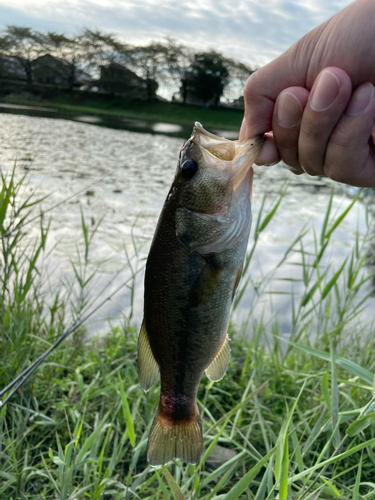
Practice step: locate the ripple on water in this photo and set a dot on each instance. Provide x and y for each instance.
(132, 173)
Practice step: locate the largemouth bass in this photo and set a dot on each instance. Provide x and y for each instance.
(193, 269)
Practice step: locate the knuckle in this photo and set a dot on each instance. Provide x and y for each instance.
(339, 154)
(314, 131)
(294, 168)
(340, 140)
(287, 144)
(309, 170)
(332, 171)
(253, 85)
(309, 166)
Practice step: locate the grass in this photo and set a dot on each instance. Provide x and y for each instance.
(171, 112)
(298, 413)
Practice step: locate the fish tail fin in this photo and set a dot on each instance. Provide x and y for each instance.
(175, 439)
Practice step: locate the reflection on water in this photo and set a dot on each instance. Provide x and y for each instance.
(24, 107)
(166, 128)
(133, 172)
(88, 119)
(112, 121)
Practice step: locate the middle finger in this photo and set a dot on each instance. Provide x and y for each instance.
(327, 102)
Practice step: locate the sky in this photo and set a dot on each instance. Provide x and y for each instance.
(253, 31)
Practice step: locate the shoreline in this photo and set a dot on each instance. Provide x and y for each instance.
(152, 112)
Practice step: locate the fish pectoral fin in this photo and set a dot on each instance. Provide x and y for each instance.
(147, 366)
(216, 370)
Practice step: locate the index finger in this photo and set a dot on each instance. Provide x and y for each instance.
(263, 87)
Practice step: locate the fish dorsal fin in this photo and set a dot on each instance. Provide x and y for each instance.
(147, 366)
(219, 365)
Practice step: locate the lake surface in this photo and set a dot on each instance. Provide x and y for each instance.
(124, 177)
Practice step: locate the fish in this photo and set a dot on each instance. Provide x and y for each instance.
(193, 268)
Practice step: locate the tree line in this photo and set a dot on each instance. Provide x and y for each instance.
(201, 76)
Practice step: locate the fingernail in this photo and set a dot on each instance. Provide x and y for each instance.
(243, 130)
(360, 99)
(325, 91)
(294, 170)
(289, 110)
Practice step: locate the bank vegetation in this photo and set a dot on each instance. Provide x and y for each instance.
(294, 417)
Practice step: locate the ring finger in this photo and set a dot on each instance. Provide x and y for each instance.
(327, 101)
(286, 125)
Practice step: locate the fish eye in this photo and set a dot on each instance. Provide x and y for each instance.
(189, 168)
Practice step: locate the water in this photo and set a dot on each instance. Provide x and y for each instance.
(132, 172)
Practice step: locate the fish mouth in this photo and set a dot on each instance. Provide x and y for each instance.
(235, 157)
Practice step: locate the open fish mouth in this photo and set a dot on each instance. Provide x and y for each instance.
(233, 156)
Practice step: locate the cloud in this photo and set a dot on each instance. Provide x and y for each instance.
(250, 30)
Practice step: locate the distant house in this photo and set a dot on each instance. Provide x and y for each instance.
(51, 70)
(117, 79)
(11, 68)
(84, 80)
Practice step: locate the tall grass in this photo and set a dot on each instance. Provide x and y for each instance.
(297, 412)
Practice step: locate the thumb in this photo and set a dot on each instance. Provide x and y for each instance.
(262, 88)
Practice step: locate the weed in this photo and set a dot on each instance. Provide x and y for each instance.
(297, 412)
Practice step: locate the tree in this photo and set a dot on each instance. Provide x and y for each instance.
(67, 49)
(24, 45)
(117, 79)
(179, 59)
(207, 77)
(101, 49)
(150, 63)
(239, 72)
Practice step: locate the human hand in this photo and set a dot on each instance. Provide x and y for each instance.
(306, 98)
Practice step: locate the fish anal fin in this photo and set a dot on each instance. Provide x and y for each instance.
(147, 366)
(175, 439)
(216, 370)
(238, 279)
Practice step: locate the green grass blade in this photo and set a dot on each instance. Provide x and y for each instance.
(162, 486)
(332, 281)
(89, 442)
(341, 217)
(326, 219)
(177, 493)
(360, 424)
(334, 401)
(271, 213)
(283, 492)
(127, 413)
(352, 367)
(325, 391)
(243, 483)
(358, 480)
(296, 448)
(332, 460)
(283, 436)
